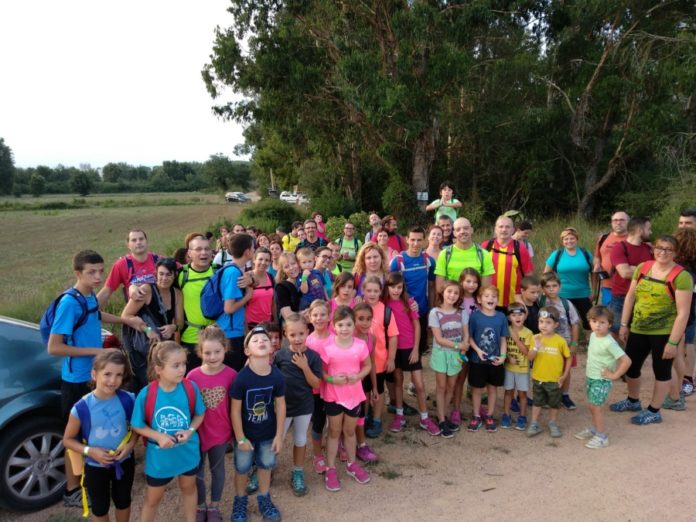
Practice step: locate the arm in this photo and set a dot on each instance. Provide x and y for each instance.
(574, 336)
(365, 369)
(300, 360)
(184, 435)
(179, 311)
(503, 352)
(134, 322)
(567, 361)
(454, 203)
(232, 305)
(627, 310)
(280, 424)
(622, 367)
(478, 350)
(413, 357)
(531, 354)
(236, 415)
(547, 268)
(434, 205)
(682, 299)
(103, 296)
(163, 440)
(70, 441)
(437, 335)
(439, 283)
(391, 352)
(57, 346)
(304, 284)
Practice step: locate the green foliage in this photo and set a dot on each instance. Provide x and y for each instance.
(222, 173)
(37, 184)
(399, 200)
(82, 183)
(7, 168)
(268, 214)
(334, 225)
(333, 204)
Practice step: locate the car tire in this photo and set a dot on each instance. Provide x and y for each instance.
(32, 464)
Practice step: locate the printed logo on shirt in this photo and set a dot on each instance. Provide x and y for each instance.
(212, 397)
(170, 420)
(257, 402)
(109, 426)
(487, 340)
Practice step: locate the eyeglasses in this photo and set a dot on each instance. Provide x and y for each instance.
(547, 315)
(663, 250)
(348, 228)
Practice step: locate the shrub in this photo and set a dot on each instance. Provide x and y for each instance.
(273, 213)
(333, 204)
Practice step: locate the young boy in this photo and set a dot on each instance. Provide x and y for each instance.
(551, 358)
(258, 417)
(517, 366)
(273, 331)
(606, 362)
(79, 343)
(301, 368)
(310, 282)
(568, 327)
(530, 292)
(488, 332)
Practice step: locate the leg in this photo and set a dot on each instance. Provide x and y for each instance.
(536, 410)
(476, 394)
(492, 390)
(398, 386)
(507, 401)
(449, 391)
(417, 379)
(264, 480)
(187, 487)
(597, 418)
(200, 480)
(523, 403)
(335, 428)
(440, 388)
(318, 423)
(121, 490)
(459, 389)
(153, 497)
(553, 414)
(216, 458)
(349, 436)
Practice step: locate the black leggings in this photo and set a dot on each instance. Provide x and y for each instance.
(318, 417)
(582, 305)
(639, 346)
(102, 487)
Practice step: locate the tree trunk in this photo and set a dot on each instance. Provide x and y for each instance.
(423, 159)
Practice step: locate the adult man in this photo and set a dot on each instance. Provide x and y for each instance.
(687, 218)
(445, 223)
(349, 246)
(291, 240)
(602, 253)
(312, 239)
(625, 257)
(510, 259)
(396, 242)
(464, 253)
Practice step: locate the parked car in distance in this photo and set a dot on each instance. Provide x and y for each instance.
(288, 197)
(236, 197)
(273, 193)
(302, 198)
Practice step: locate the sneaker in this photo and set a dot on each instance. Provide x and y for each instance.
(267, 508)
(331, 481)
(73, 499)
(356, 471)
(687, 387)
(253, 484)
(213, 514)
(474, 424)
(429, 426)
(646, 417)
(671, 404)
(445, 431)
(514, 406)
(505, 421)
(534, 429)
(239, 509)
(319, 463)
(456, 418)
(568, 402)
(491, 425)
(375, 430)
(585, 434)
(397, 423)
(554, 430)
(452, 426)
(625, 405)
(342, 453)
(521, 424)
(597, 442)
(365, 454)
(201, 514)
(299, 488)
(530, 401)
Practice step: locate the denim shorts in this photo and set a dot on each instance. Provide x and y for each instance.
(262, 455)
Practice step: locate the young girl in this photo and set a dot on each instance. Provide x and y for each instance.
(343, 294)
(346, 361)
(173, 446)
(407, 353)
(449, 325)
(98, 428)
(363, 324)
(214, 379)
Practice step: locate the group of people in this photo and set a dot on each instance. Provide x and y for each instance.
(315, 333)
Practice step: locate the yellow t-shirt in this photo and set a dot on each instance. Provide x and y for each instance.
(521, 362)
(290, 242)
(191, 291)
(548, 363)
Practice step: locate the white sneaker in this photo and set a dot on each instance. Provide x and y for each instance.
(597, 442)
(585, 434)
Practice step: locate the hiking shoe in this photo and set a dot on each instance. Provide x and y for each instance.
(456, 418)
(397, 423)
(331, 481)
(625, 405)
(505, 421)
(491, 425)
(533, 429)
(474, 424)
(342, 453)
(375, 430)
(299, 488)
(568, 402)
(671, 404)
(514, 406)
(213, 514)
(319, 463)
(646, 417)
(267, 508)
(445, 431)
(73, 499)
(687, 387)
(521, 424)
(597, 442)
(365, 454)
(429, 426)
(554, 430)
(585, 434)
(253, 484)
(239, 509)
(201, 514)
(452, 426)
(356, 471)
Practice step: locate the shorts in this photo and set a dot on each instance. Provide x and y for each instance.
(639, 346)
(401, 361)
(481, 374)
(445, 361)
(333, 409)
(155, 482)
(367, 383)
(546, 394)
(597, 390)
(70, 393)
(617, 305)
(102, 487)
(516, 381)
(689, 333)
(582, 305)
(262, 455)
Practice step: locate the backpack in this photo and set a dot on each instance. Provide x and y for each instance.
(185, 277)
(515, 247)
(386, 321)
(566, 306)
(356, 243)
(448, 256)
(49, 314)
(402, 267)
(669, 282)
(131, 271)
(601, 240)
(151, 400)
(212, 303)
(559, 253)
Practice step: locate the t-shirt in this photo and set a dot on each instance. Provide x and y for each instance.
(315, 288)
(350, 247)
(260, 307)
(654, 311)
(418, 271)
(459, 259)
(521, 364)
(574, 272)
(508, 271)
(564, 328)
(450, 323)
(222, 258)
(445, 211)
(404, 322)
(68, 311)
(257, 393)
(306, 243)
(549, 360)
(290, 242)
(347, 361)
(217, 425)
(633, 256)
(604, 255)
(377, 329)
(396, 242)
(602, 352)
(232, 325)
(171, 415)
(286, 294)
(142, 272)
(314, 342)
(191, 290)
(487, 331)
(469, 304)
(298, 393)
(532, 319)
(109, 424)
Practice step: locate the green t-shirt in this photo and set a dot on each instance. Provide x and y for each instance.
(191, 291)
(351, 247)
(445, 211)
(459, 259)
(602, 352)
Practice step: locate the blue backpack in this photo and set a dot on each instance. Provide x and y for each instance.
(86, 419)
(49, 314)
(212, 303)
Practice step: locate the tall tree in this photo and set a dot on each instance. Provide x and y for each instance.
(82, 182)
(7, 168)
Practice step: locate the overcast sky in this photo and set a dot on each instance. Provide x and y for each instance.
(96, 81)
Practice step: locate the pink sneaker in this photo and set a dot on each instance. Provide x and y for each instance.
(331, 480)
(319, 464)
(365, 454)
(398, 422)
(456, 417)
(360, 475)
(342, 454)
(429, 426)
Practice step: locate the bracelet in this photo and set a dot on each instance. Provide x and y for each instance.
(147, 329)
(243, 440)
(329, 379)
(573, 343)
(672, 343)
(192, 429)
(456, 345)
(304, 279)
(624, 324)
(85, 451)
(503, 354)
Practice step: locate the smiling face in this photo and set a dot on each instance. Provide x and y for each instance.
(344, 329)
(108, 379)
(570, 241)
(262, 261)
(488, 300)
(165, 278)
(291, 268)
(664, 252)
(276, 250)
(382, 238)
(415, 243)
(435, 237)
(450, 295)
(310, 230)
(395, 291)
(363, 321)
(470, 285)
(371, 293)
(463, 231)
(199, 253)
(212, 354)
(446, 225)
(296, 334)
(319, 317)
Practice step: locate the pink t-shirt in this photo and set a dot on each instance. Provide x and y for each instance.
(260, 306)
(142, 272)
(217, 425)
(469, 304)
(345, 361)
(332, 308)
(404, 322)
(317, 344)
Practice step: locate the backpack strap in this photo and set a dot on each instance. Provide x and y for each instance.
(400, 261)
(85, 419)
(150, 400)
(645, 268)
(190, 395)
(557, 259)
(387, 320)
(185, 276)
(127, 402)
(587, 257)
(601, 240)
(448, 257)
(566, 307)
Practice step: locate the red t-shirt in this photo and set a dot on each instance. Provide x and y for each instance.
(396, 242)
(508, 272)
(140, 273)
(604, 255)
(633, 255)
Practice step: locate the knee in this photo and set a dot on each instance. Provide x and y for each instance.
(188, 487)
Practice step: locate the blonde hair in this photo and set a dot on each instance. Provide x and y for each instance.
(282, 259)
(359, 267)
(159, 354)
(211, 332)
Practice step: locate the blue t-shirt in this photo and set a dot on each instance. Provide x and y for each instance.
(232, 325)
(417, 273)
(574, 272)
(171, 415)
(315, 283)
(109, 424)
(486, 331)
(68, 311)
(257, 393)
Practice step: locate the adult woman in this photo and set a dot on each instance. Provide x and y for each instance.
(321, 226)
(262, 240)
(276, 248)
(434, 241)
(657, 307)
(383, 242)
(287, 296)
(573, 264)
(370, 260)
(162, 309)
(260, 306)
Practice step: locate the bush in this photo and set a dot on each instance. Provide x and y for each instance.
(333, 204)
(400, 200)
(334, 226)
(268, 214)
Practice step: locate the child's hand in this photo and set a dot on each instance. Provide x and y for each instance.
(561, 380)
(374, 396)
(390, 366)
(352, 378)
(126, 449)
(277, 444)
(537, 342)
(340, 379)
(414, 306)
(413, 356)
(136, 323)
(497, 360)
(300, 360)
(165, 441)
(306, 272)
(246, 445)
(183, 436)
(607, 374)
(512, 359)
(167, 331)
(101, 455)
